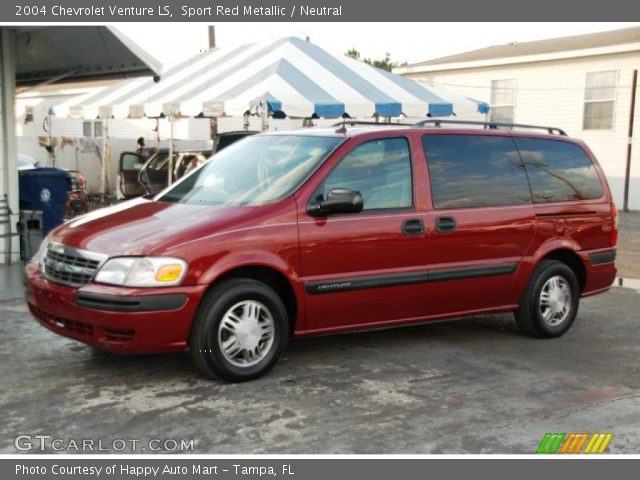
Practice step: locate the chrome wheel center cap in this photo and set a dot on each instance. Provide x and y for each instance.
(248, 334)
(556, 303)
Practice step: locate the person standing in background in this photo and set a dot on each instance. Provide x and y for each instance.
(143, 151)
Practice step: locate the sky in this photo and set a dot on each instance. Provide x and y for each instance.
(171, 43)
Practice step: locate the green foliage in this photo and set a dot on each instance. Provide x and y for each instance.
(384, 64)
(353, 53)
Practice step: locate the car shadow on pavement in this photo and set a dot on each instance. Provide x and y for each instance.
(314, 351)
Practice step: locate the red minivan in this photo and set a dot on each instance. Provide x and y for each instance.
(323, 230)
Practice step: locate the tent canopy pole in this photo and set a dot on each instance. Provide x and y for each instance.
(104, 114)
(171, 136)
(157, 133)
(264, 115)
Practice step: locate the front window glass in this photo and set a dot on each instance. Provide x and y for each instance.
(257, 170)
(380, 170)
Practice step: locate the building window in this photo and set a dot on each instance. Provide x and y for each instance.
(87, 128)
(503, 100)
(28, 115)
(599, 98)
(92, 128)
(97, 129)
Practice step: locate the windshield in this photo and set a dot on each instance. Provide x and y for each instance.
(253, 171)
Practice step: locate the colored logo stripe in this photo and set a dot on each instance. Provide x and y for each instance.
(550, 443)
(598, 443)
(574, 442)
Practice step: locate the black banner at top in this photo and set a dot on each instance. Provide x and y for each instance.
(108, 11)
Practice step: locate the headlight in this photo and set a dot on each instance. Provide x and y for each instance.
(38, 258)
(143, 271)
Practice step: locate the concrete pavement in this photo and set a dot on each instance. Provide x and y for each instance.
(469, 386)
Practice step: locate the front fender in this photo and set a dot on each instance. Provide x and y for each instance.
(235, 260)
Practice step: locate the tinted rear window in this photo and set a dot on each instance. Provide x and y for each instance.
(475, 171)
(558, 171)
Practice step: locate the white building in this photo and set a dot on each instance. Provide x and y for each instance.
(582, 84)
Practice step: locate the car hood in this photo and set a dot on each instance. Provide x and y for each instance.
(145, 227)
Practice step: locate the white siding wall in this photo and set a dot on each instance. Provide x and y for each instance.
(552, 93)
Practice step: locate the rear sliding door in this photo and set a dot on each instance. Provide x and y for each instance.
(481, 224)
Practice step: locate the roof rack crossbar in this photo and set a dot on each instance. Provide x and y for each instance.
(490, 125)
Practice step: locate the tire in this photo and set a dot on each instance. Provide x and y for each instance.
(545, 311)
(240, 331)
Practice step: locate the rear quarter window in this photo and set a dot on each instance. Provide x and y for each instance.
(468, 171)
(558, 171)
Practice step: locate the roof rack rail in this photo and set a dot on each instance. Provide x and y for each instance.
(368, 122)
(352, 123)
(491, 125)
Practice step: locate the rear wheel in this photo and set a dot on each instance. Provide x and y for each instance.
(240, 331)
(550, 304)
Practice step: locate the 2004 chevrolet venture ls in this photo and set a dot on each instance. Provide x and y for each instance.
(324, 230)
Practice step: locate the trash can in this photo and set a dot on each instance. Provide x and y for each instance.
(45, 189)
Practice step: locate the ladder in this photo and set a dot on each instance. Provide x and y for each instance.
(5, 223)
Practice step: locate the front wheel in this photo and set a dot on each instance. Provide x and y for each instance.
(240, 331)
(550, 304)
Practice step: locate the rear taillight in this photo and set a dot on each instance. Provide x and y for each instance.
(614, 225)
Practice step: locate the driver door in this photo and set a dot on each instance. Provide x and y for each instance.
(154, 175)
(366, 268)
(130, 165)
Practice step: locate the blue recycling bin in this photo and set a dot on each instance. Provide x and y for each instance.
(45, 189)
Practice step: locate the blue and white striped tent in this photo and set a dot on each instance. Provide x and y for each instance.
(291, 76)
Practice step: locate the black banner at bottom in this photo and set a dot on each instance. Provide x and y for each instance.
(316, 469)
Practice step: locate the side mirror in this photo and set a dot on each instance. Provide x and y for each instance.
(338, 200)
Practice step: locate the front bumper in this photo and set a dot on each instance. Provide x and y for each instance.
(115, 319)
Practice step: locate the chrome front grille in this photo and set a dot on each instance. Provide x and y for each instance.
(71, 266)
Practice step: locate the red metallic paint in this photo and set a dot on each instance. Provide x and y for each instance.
(283, 237)
(152, 331)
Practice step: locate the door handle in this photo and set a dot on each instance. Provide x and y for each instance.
(446, 224)
(413, 226)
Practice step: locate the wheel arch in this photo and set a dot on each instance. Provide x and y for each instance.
(562, 250)
(271, 276)
(570, 258)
